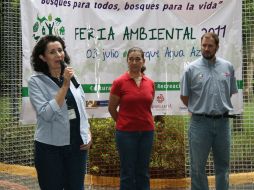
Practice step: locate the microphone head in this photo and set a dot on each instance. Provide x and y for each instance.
(63, 64)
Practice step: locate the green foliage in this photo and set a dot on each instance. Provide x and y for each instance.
(5, 115)
(15, 4)
(103, 157)
(16, 144)
(248, 11)
(242, 140)
(168, 157)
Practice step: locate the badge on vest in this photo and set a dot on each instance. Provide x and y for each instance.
(72, 114)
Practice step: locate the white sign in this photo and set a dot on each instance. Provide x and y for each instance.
(99, 33)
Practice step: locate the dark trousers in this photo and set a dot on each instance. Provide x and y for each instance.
(134, 150)
(60, 167)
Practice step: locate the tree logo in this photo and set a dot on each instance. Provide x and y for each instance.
(47, 25)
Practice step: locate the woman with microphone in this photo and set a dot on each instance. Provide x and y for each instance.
(62, 137)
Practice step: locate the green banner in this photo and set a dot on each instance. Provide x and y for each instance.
(105, 88)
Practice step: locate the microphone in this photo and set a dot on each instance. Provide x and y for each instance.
(73, 80)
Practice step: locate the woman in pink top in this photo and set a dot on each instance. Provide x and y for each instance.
(133, 93)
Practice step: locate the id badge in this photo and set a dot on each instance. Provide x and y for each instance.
(72, 114)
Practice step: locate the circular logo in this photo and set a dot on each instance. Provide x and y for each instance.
(160, 98)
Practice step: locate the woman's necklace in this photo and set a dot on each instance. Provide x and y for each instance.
(59, 78)
(56, 74)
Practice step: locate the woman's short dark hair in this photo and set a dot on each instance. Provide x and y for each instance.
(39, 49)
(143, 68)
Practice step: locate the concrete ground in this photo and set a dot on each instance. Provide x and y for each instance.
(18, 182)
